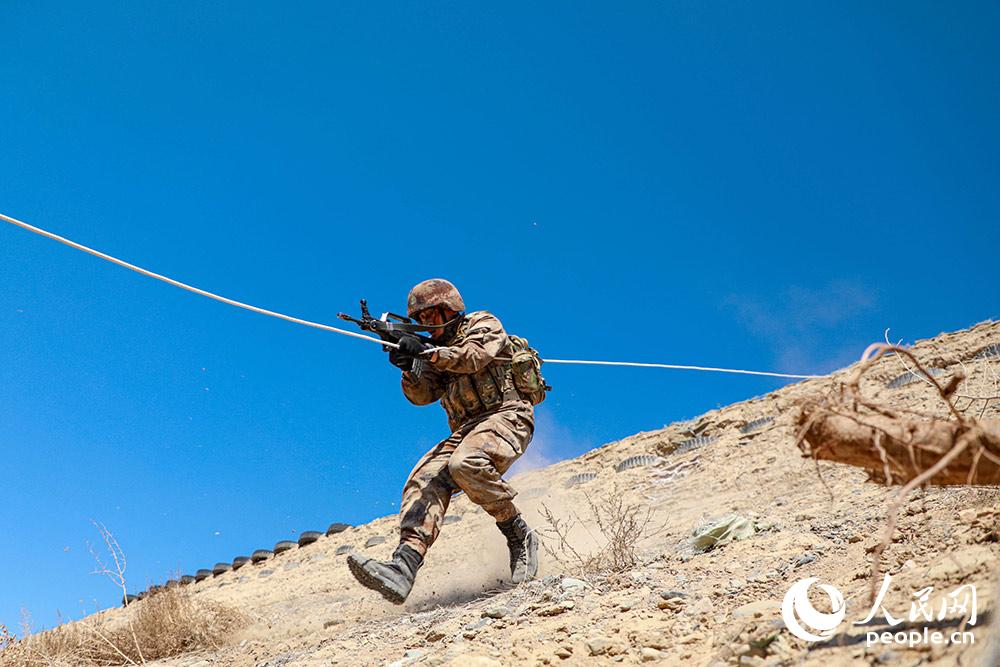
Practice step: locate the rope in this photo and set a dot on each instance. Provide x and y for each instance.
(680, 368)
(189, 288)
(352, 334)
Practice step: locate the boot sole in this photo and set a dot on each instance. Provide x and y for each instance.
(367, 580)
(533, 557)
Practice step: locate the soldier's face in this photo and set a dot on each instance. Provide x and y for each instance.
(433, 317)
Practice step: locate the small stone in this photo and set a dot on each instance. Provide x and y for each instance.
(475, 625)
(332, 622)
(570, 584)
(967, 515)
(413, 653)
(598, 645)
(757, 609)
(649, 654)
(703, 607)
(805, 559)
(556, 609)
(564, 652)
(667, 595)
(434, 635)
(673, 604)
(497, 612)
(854, 538)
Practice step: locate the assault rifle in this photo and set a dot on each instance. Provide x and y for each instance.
(391, 328)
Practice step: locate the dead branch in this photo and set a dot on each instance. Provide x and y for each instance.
(897, 451)
(911, 451)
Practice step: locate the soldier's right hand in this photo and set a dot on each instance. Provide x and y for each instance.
(403, 362)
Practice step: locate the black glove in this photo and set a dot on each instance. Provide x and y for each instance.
(401, 361)
(412, 346)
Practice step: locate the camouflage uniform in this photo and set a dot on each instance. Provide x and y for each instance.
(491, 427)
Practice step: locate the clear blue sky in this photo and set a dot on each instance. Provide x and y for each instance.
(759, 185)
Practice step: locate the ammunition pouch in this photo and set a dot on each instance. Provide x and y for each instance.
(468, 396)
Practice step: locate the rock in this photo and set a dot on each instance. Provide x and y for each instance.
(652, 636)
(854, 538)
(638, 576)
(475, 625)
(497, 612)
(757, 609)
(667, 595)
(967, 515)
(434, 635)
(332, 622)
(647, 654)
(413, 654)
(564, 652)
(805, 559)
(598, 645)
(570, 584)
(702, 607)
(673, 604)
(556, 609)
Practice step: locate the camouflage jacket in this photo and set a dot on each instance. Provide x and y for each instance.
(466, 376)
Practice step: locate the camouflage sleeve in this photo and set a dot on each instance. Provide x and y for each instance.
(422, 390)
(483, 341)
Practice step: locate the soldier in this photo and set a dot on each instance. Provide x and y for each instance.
(468, 369)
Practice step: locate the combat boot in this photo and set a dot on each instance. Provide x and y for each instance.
(392, 579)
(523, 545)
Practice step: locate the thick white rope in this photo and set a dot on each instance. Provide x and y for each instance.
(189, 288)
(680, 368)
(352, 334)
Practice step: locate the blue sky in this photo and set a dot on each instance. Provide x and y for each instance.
(758, 185)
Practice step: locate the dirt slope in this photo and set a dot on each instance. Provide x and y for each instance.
(309, 611)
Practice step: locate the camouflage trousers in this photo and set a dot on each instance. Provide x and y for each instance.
(471, 459)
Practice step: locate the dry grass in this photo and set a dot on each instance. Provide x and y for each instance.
(165, 624)
(616, 526)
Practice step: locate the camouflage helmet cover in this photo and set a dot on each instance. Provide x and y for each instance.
(431, 293)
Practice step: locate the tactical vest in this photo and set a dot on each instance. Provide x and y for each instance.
(470, 395)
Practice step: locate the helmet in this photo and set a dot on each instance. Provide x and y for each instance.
(431, 293)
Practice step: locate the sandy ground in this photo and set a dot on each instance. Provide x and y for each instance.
(725, 603)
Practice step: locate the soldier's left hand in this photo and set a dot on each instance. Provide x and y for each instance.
(413, 347)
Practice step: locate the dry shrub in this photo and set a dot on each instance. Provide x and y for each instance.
(7, 640)
(620, 527)
(165, 624)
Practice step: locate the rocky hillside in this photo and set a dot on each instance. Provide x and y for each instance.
(677, 603)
